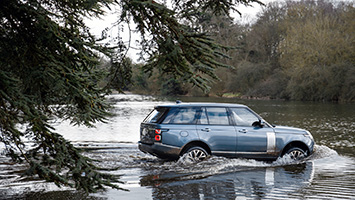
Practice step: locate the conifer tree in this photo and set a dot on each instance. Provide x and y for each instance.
(48, 70)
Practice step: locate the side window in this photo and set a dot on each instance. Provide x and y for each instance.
(218, 116)
(182, 116)
(243, 116)
(203, 117)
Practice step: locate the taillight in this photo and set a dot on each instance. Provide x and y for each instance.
(157, 135)
(158, 138)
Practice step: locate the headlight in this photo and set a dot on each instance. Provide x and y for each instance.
(308, 134)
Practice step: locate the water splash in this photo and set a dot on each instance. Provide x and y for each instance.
(322, 151)
(214, 164)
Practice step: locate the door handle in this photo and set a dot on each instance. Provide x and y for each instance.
(206, 129)
(243, 130)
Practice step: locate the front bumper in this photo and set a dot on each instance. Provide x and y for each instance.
(160, 150)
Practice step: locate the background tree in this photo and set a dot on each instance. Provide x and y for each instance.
(174, 42)
(318, 50)
(259, 72)
(49, 70)
(255, 55)
(230, 34)
(295, 50)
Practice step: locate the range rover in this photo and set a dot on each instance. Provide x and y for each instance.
(198, 130)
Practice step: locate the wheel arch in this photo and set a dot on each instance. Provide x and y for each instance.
(298, 144)
(195, 143)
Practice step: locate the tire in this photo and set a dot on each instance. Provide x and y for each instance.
(195, 154)
(296, 153)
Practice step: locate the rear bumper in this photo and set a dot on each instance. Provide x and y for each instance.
(160, 150)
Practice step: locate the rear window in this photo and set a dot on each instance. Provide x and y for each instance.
(181, 116)
(155, 115)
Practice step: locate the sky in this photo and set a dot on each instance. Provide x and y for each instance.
(97, 25)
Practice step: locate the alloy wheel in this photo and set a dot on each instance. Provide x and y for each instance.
(296, 153)
(196, 154)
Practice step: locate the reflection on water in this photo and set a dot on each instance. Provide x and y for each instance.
(328, 174)
(237, 178)
(248, 182)
(222, 178)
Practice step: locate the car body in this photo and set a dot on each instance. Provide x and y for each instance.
(229, 130)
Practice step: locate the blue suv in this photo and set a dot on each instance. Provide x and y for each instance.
(198, 130)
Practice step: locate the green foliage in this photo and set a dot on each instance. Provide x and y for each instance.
(156, 83)
(173, 41)
(48, 71)
(172, 87)
(120, 74)
(140, 80)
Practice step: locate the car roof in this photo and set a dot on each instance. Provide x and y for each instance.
(203, 104)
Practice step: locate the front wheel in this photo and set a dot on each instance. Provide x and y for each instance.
(296, 153)
(196, 154)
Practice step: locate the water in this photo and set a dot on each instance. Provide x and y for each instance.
(328, 174)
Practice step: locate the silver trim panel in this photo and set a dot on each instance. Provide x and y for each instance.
(271, 142)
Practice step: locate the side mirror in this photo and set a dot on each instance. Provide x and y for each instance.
(258, 124)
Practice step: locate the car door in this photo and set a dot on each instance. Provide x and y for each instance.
(216, 129)
(252, 141)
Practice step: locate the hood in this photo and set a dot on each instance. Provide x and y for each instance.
(286, 129)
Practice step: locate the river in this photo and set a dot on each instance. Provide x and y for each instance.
(328, 174)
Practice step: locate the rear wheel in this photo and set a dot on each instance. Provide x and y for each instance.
(296, 153)
(196, 154)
